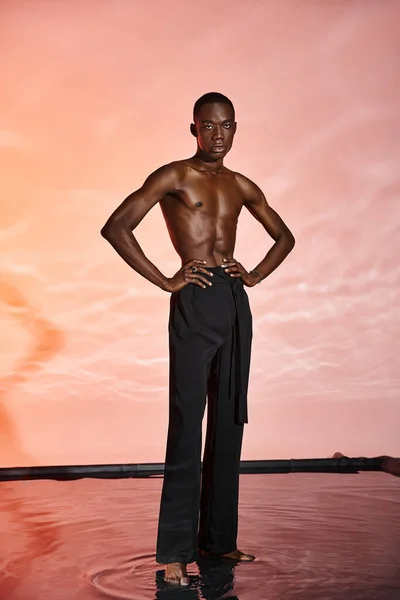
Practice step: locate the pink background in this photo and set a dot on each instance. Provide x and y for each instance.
(95, 95)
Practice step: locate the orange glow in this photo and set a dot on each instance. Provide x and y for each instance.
(95, 98)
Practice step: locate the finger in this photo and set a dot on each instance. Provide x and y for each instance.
(204, 270)
(230, 264)
(199, 280)
(194, 261)
(196, 282)
(228, 261)
(189, 271)
(235, 269)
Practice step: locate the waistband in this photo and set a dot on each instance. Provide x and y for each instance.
(220, 276)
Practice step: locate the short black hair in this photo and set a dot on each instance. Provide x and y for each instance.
(209, 98)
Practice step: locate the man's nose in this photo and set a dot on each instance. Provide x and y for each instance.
(218, 133)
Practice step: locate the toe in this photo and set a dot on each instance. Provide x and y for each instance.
(248, 557)
(177, 580)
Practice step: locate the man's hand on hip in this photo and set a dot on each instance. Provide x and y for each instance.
(236, 269)
(191, 272)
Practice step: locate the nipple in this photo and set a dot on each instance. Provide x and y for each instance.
(198, 204)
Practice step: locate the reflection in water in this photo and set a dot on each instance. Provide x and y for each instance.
(41, 538)
(215, 580)
(316, 537)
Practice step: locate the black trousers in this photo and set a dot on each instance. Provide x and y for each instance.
(210, 332)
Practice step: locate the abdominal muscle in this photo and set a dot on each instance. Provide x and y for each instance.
(204, 233)
(212, 257)
(208, 239)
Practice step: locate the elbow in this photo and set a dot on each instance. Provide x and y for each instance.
(291, 242)
(107, 230)
(114, 232)
(287, 240)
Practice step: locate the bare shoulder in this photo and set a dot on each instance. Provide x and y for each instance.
(250, 190)
(169, 174)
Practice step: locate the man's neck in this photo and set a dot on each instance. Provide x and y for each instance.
(204, 163)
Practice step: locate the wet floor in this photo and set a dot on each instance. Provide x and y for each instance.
(316, 536)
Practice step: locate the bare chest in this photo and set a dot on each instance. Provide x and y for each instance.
(212, 195)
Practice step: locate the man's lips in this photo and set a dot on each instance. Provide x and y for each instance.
(218, 148)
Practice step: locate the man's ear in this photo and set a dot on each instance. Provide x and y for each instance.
(193, 130)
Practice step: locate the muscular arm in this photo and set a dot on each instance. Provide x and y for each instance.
(255, 202)
(118, 228)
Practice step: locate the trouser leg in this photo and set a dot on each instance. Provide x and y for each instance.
(180, 499)
(220, 480)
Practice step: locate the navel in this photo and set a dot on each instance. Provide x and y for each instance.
(199, 204)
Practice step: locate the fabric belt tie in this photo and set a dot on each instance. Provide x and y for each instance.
(242, 335)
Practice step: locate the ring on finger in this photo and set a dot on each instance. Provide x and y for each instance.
(194, 269)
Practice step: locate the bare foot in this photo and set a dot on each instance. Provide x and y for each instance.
(234, 555)
(176, 573)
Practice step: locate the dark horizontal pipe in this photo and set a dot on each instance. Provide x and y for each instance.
(306, 465)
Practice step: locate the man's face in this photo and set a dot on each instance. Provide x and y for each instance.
(215, 128)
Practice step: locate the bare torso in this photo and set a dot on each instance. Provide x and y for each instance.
(201, 203)
(202, 214)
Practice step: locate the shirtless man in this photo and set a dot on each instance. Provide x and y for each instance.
(201, 201)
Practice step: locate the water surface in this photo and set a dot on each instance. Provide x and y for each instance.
(316, 536)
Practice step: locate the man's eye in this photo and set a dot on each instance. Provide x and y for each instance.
(208, 126)
(227, 125)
